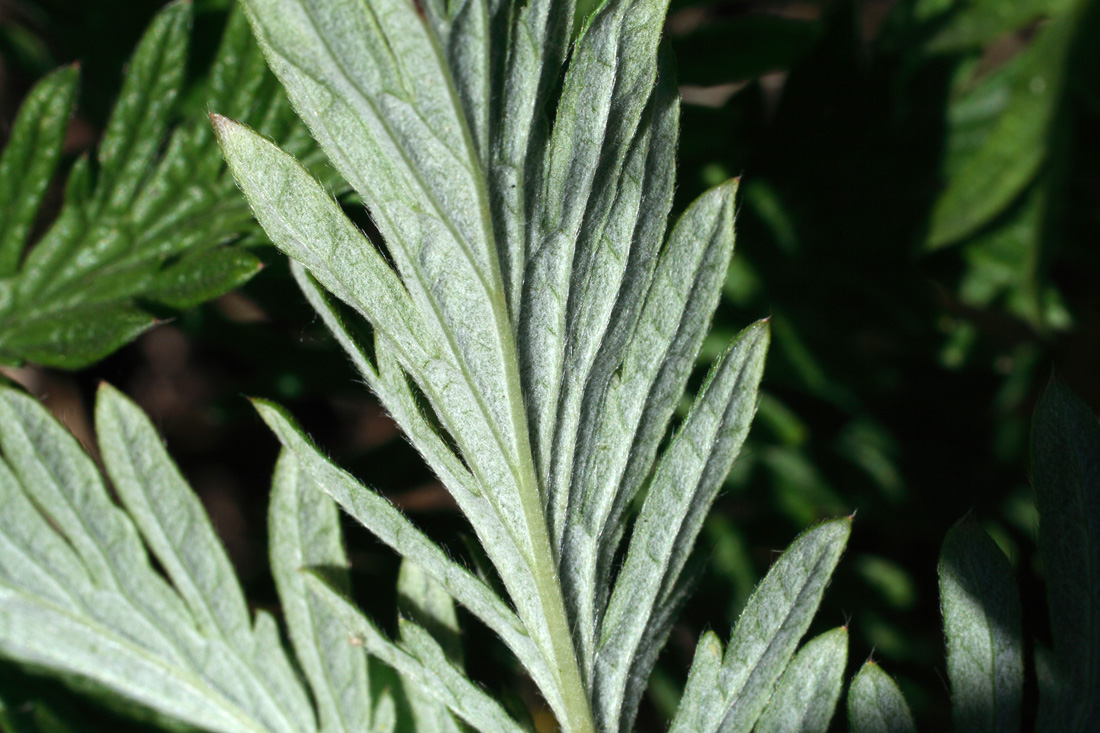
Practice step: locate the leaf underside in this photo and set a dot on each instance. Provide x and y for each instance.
(533, 328)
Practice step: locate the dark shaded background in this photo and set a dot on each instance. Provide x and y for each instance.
(904, 366)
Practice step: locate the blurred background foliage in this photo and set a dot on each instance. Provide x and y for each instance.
(920, 218)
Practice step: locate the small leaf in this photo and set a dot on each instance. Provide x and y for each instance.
(981, 618)
(203, 275)
(634, 392)
(538, 35)
(418, 658)
(766, 635)
(1065, 468)
(610, 78)
(876, 705)
(29, 160)
(381, 518)
(998, 136)
(139, 120)
(805, 697)
(304, 532)
(422, 601)
(681, 492)
(170, 518)
(74, 337)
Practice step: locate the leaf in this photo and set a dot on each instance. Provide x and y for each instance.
(981, 617)
(155, 225)
(80, 599)
(683, 487)
(304, 532)
(608, 83)
(422, 601)
(391, 527)
(170, 518)
(976, 24)
(1065, 468)
(395, 133)
(29, 160)
(632, 394)
(876, 705)
(998, 132)
(729, 693)
(530, 334)
(303, 221)
(417, 657)
(805, 696)
(538, 38)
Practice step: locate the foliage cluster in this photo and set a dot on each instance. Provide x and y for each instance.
(516, 305)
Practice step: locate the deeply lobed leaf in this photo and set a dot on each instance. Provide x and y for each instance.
(79, 596)
(729, 693)
(153, 227)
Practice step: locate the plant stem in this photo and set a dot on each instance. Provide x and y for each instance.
(543, 562)
(578, 712)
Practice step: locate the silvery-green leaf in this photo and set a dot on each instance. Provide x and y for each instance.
(419, 659)
(616, 253)
(385, 521)
(302, 219)
(388, 380)
(386, 113)
(805, 696)
(465, 29)
(624, 421)
(170, 518)
(731, 697)
(981, 619)
(304, 532)
(538, 34)
(876, 705)
(608, 83)
(685, 483)
(1065, 468)
(385, 712)
(422, 601)
(79, 597)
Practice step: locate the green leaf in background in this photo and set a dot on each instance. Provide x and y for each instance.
(29, 160)
(981, 618)
(998, 134)
(1065, 468)
(975, 23)
(876, 705)
(153, 224)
